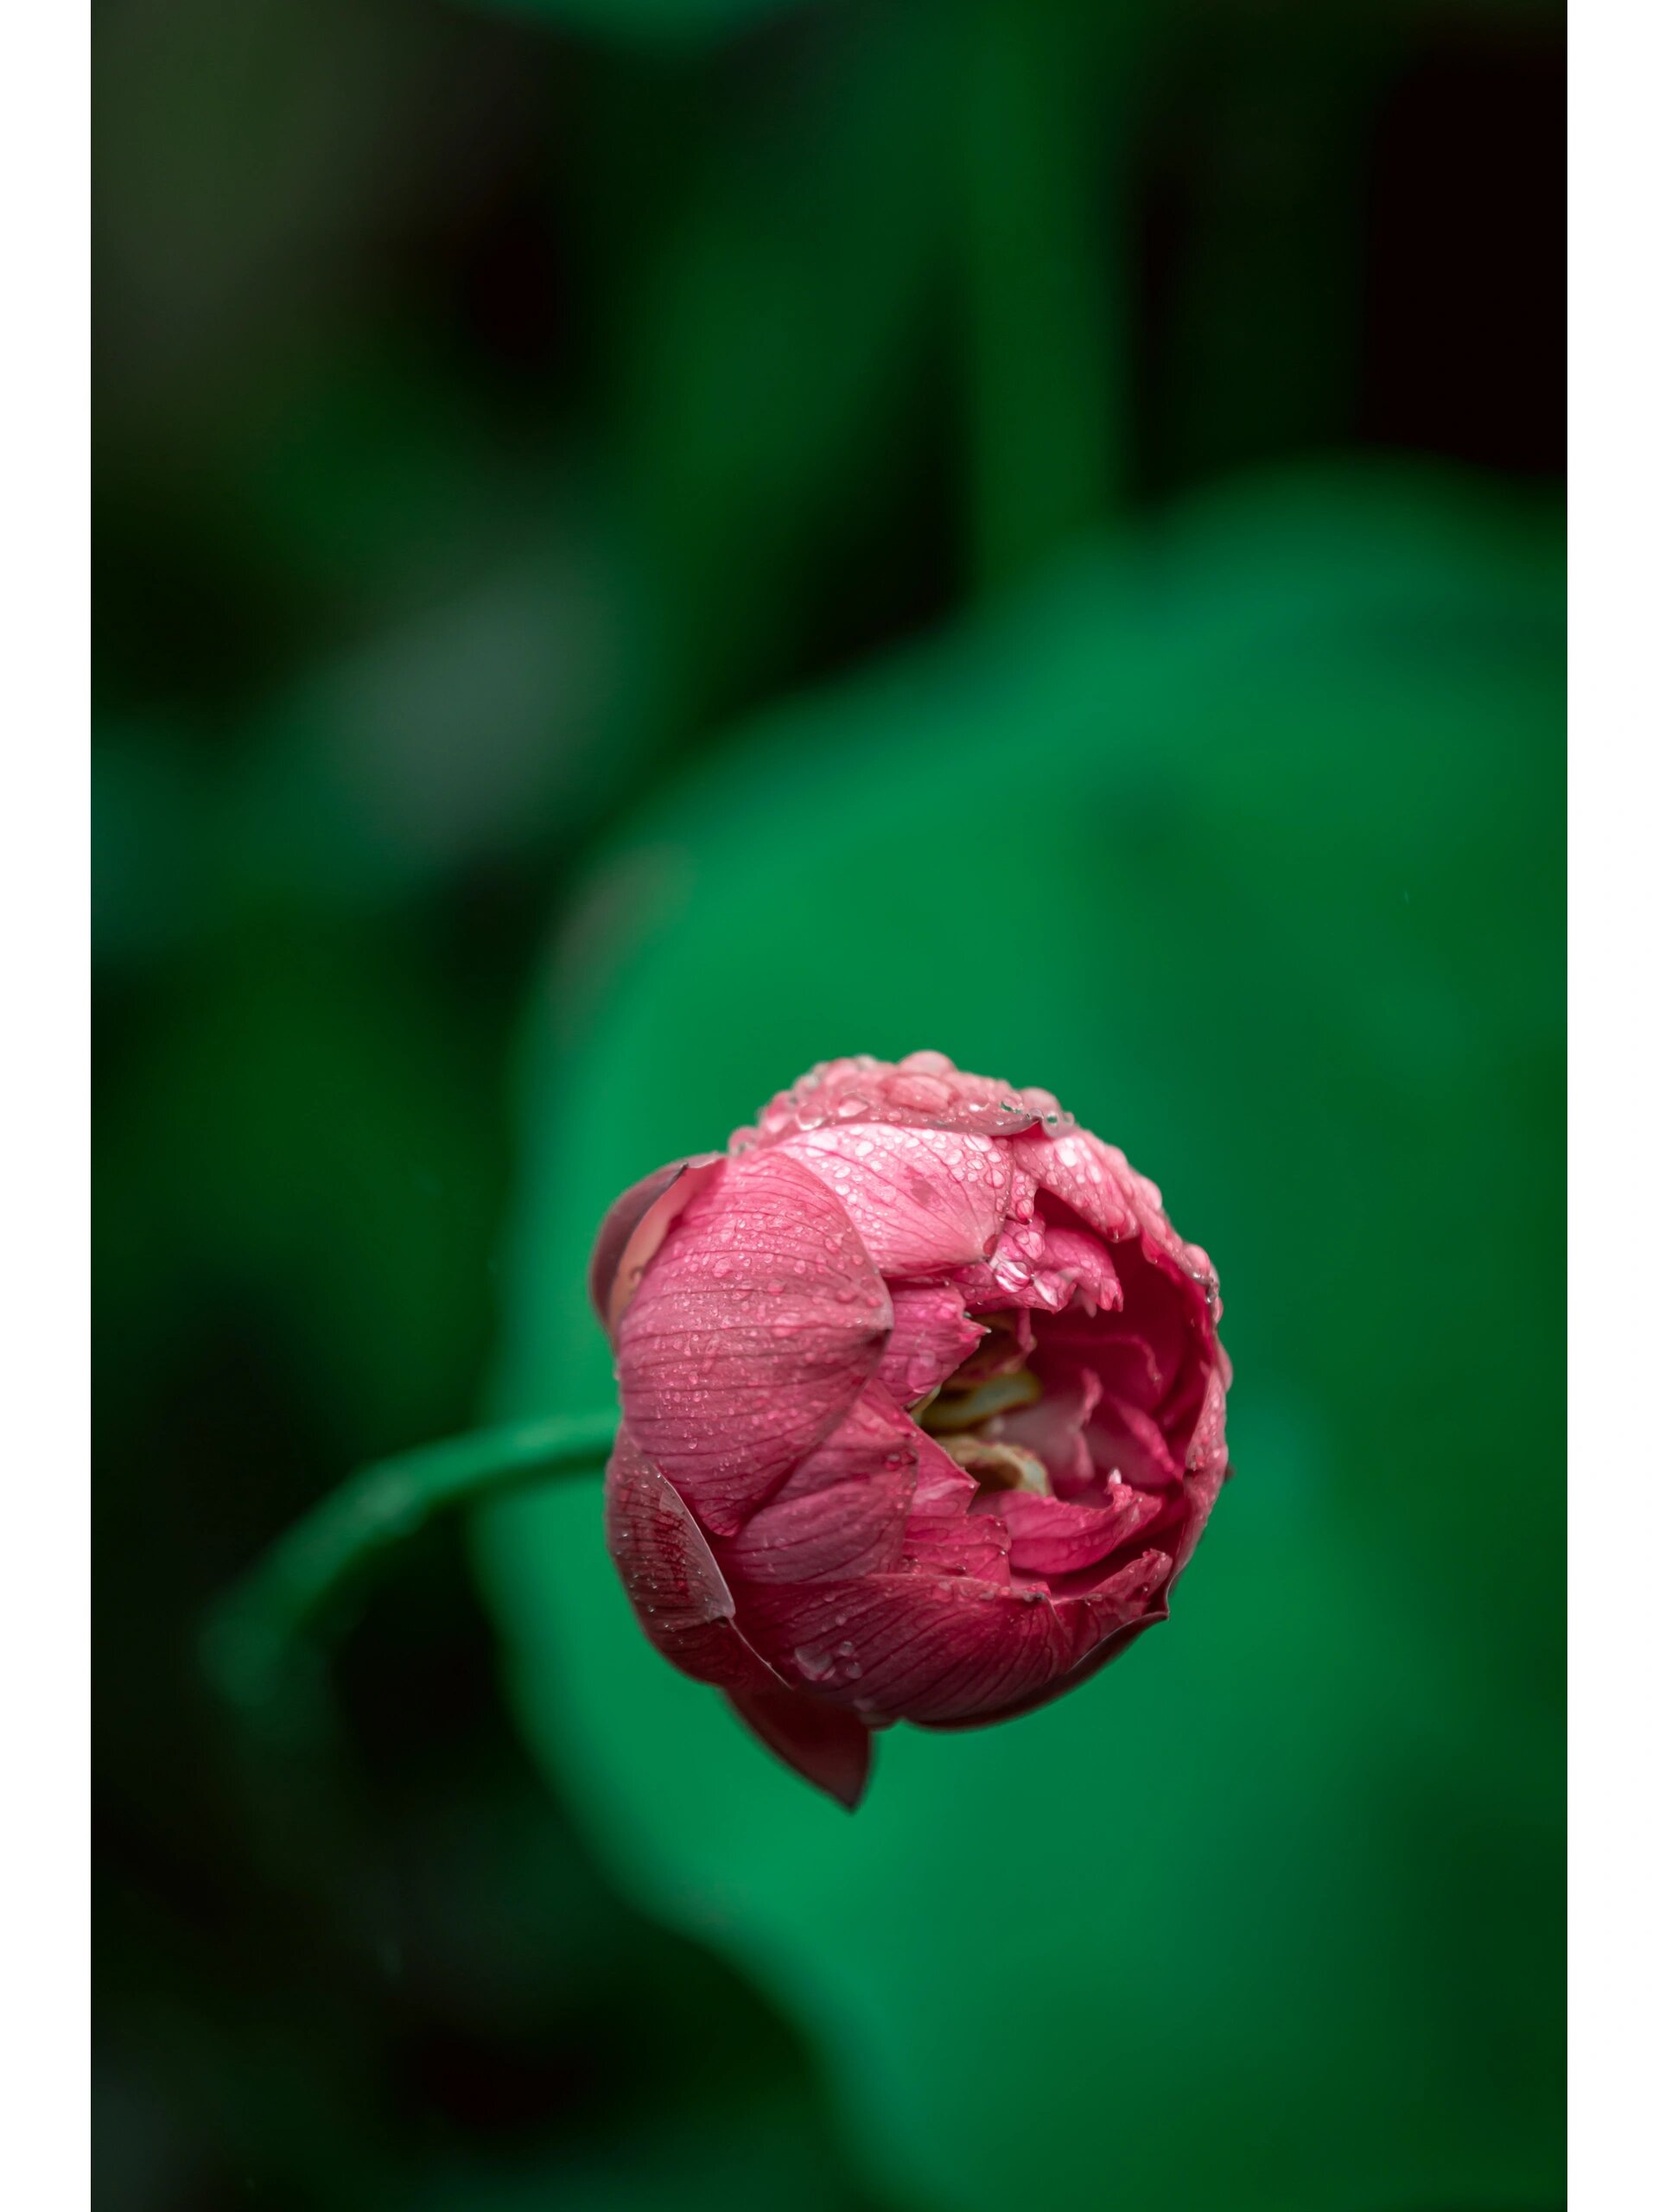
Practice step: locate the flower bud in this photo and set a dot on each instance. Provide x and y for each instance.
(923, 1408)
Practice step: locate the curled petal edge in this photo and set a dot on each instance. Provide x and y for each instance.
(631, 1232)
(825, 1746)
(673, 1581)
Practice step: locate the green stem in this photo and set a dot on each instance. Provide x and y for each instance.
(258, 1630)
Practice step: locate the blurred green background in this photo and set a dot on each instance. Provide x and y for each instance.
(643, 543)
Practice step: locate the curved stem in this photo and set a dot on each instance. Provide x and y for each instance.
(260, 1627)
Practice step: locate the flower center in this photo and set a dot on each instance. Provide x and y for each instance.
(965, 1413)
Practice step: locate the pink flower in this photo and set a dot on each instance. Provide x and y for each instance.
(923, 1408)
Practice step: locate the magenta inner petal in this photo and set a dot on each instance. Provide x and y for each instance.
(1122, 1598)
(1049, 1536)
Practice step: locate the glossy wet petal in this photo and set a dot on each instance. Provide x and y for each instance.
(672, 1579)
(1207, 1445)
(919, 1648)
(850, 1529)
(752, 1332)
(932, 1336)
(922, 1200)
(1092, 1178)
(1082, 1261)
(632, 1231)
(1047, 1535)
(943, 1534)
(1041, 1266)
(824, 1744)
(622, 1217)
(1123, 1601)
(972, 1544)
(923, 1090)
(875, 1433)
(1202, 1490)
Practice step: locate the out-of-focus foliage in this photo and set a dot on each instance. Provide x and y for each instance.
(1246, 838)
(505, 409)
(670, 21)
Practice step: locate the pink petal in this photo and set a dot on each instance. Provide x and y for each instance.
(932, 1336)
(1084, 1262)
(1110, 1645)
(1101, 1624)
(1190, 1263)
(621, 1221)
(938, 1531)
(974, 1544)
(1202, 1490)
(921, 1199)
(675, 1585)
(941, 1485)
(850, 1529)
(632, 1231)
(1018, 1269)
(1123, 1439)
(1207, 1447)
(943, 1535)
(923, 1091)
(1153, 1362)
(1048, 1536)
(1092, 1178)
(752, 1331)
(1038, 1265)
(873, 1437)
(995, 1293)
(1129, 1597)
(1128, 1367)
(1022, 1193)
(823, 1743)
(913, 1647)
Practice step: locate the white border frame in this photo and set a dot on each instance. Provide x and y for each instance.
(1613, 985)
(45, 942)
